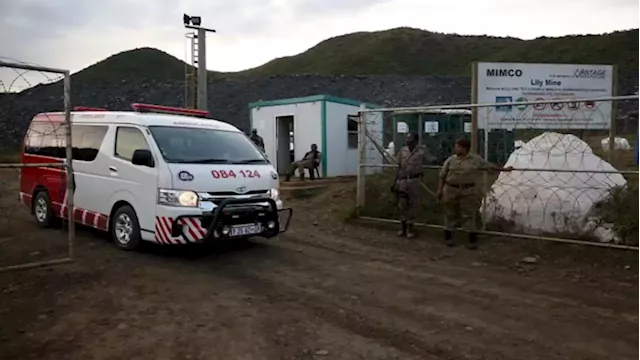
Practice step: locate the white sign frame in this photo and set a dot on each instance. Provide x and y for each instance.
(431, 127)
(402, 127)
(514, 82)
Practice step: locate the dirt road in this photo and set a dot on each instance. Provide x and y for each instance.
(325, 290)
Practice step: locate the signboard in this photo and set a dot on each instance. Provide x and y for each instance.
(431, 127)
(517, 82)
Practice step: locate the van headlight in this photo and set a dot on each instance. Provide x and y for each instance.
(274, 194)
(177, 198)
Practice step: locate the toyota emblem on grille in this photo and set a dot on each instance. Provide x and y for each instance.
(241, 189)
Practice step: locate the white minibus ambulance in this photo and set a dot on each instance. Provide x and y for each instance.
(161, 174)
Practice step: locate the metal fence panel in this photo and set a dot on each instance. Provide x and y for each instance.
(574, 180)
(45, 153)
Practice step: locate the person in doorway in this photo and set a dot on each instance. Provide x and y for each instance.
(310, 160)
(410, 159)
(458, 192)
(257, 139)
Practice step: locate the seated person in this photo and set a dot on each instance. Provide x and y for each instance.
(310, 161)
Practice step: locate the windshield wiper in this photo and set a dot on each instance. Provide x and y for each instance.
(250, 161)
(203, 161)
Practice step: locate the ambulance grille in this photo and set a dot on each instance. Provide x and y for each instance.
(233, 193)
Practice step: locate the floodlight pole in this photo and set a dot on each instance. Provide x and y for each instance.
(202, 65)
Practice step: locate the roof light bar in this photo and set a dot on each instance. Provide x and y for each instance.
(168, 110)
(87, 108)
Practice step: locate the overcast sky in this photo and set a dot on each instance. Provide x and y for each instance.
(74, 34)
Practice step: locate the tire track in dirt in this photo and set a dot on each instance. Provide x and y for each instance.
(319, 304)
(296, 279)
(599, 301)
(471, 298)
(496, 315)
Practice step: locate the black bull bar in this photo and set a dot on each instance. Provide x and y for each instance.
(223, 214)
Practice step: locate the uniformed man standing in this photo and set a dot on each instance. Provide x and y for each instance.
(257, 139)
(458, 191)
(410, 158)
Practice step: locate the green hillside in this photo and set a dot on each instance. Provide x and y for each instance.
(396, 51)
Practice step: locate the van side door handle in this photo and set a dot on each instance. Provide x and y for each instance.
(113, 169)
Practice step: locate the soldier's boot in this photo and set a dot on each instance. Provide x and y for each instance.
(448, 238)
(403, 231)
(473, 241)
(410, 233)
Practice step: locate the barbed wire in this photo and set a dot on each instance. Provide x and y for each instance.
(573, 178)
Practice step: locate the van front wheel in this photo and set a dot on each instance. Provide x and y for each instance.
(125, 228)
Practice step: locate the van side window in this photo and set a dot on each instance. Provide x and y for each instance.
(46, 139)
(49, 139)
(128, 140)
(87, 140)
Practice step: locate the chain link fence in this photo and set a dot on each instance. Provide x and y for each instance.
(34, 165)
(575, 177)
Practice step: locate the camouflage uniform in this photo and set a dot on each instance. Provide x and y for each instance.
(408, 182)
(460, 195)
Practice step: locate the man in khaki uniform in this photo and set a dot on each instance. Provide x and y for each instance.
(257, 139)
(310, 160)
(410, 158)
(457, 188)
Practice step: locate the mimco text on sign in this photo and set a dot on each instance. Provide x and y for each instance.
(504, 72)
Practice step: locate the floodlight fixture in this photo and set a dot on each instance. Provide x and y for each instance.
(191, 20)
(194, 22)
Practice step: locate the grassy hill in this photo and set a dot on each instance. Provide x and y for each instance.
(397, 51)
(413, 51)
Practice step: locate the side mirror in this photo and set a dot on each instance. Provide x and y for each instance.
(143, 158)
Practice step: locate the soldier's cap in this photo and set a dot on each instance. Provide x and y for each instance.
(464, 142)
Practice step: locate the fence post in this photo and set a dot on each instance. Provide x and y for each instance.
(474, 109)
(614, 114)
(360, 186)
(485, 177)
(71, 180)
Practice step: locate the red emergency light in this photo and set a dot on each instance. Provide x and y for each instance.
(87, 108)
(148, 108)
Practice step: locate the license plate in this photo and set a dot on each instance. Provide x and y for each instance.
(244, 230)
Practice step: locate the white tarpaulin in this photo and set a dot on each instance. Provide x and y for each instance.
(619, 143)
(547, 201)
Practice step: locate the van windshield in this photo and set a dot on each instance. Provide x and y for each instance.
(205, 146)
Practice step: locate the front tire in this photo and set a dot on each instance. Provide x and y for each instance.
(125, 228)
(42, 211)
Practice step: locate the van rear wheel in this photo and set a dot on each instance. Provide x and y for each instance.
(42, 209)
(125, 228)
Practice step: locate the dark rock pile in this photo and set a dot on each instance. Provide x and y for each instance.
(228, 99)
